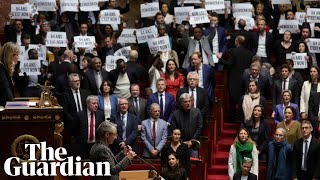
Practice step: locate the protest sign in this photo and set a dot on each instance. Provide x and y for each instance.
(111, 62)
(89, 5)
(214, 4)
(288, 25)
(127, 36)
(159, 44)
(227, 7)
(45, 5)
(249, 22)
(22, 53)
(192, 1)
(110, 16)
(300, 16)
(69, 5)
(149, 9)
(198, 16)
(30, 67)
(56, 39)
(85, 42)
(314, 45)
(281, 1)
(20, 11)
(313, 15)
(299, 60)
(181, 13)
(41, 49)
(125, 51)
(242, 9)
(146, 34)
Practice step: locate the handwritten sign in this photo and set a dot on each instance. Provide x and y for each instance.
(198, 16)
(300, 16)
(281, 1)
(314, 45)
(288, 25)
(159, 44)
(214, 4)
(242, 9)
(127, 36)
(313, 15)
(85, 41)
(181, 13)
(111, 16)
(249, 22)
(89, 5)
(192, 1)
(227, 7)
(30, 67)
(41, 49)
(20, 11)
(45, 5)
(146, 34)
(69, 5)
(149, 9)
(125, 51)
(56, 39)
(299, 60)
(111, 62)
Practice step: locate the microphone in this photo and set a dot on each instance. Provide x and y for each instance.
(153, 168)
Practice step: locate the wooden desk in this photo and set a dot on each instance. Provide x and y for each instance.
(26, 125)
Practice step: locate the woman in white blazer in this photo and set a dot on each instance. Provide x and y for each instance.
(243, 147)
(309, 87)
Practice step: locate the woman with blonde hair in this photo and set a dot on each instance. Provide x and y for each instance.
(8, 59)
(242, 148)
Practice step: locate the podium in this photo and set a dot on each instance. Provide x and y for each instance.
(20, 125)
(137, 175)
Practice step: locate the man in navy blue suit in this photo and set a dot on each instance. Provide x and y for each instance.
(165, 100)
(206, 74)
(127, 127)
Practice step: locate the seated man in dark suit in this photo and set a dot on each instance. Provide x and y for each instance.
(127, 127)
(96, 76)
(245, 171)
(85, 125)
(137, 105)
(198, 95)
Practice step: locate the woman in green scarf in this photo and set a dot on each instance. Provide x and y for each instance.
(243, 147)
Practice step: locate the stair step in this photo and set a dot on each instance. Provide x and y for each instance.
(226, 133)
(217, 177)
(220, 158)
(234, 126)
(224, 145)
(218, 170)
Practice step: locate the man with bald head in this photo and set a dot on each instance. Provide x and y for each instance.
(134, 65)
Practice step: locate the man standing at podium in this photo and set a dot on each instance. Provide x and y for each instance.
(85, 125)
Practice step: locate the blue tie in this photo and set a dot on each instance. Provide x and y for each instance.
(161, 106)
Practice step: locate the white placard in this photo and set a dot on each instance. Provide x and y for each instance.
(111, 62)
(242, 9)
(41, 49)
(299, 60)
(215, 58)
(161, 44)
(288, 25)
(20, 11)
(249, 22)
(314, 45)
(22, 53)
(149, 9)
(214, 5)
(281, 1)
(30, 67)
(198, 16)
(84, 42)
(110, 16)
(146, 34)
(300, 16)
(181, 13)
(56, 39)
(127, 36)
(89, 5)
(69, 5)
(125, 51)
(222, 11)
(192, 1)
(45, 5)
(313, 15)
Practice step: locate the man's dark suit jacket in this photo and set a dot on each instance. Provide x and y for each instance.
(209, 81)
(202, 100)
(268, 43)
(104, 51)
(263, 84)
(313, 156)
(169, 105)
(277, 90)
(237, 176)
(90, 76)
(131, 130)
(142, 108)
(69, 106)
(314, 101)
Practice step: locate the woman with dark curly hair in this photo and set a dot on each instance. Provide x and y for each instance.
(173, 170)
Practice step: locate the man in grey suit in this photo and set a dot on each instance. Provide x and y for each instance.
(154, 133)
(85, 125)
(137, 105)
